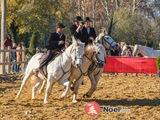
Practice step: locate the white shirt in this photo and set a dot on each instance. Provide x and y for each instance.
(88, 30)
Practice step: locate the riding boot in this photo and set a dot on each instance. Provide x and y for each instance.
(43, 62)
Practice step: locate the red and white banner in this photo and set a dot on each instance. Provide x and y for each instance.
(130, 65)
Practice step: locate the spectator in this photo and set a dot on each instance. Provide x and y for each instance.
(18, 56)
(7, 45)
(13, 58)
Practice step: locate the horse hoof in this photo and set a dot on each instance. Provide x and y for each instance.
(74, 101)
(33, 98)
(72, 88)
(16, 97)
(45, 102)
(61, 97)
(40, 92)
(86, 96)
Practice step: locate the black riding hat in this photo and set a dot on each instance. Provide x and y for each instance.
(87, 19)
(60, 25)
(78, 18)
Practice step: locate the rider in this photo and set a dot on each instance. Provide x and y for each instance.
(56, 44)
(77, 29)
(89, 31)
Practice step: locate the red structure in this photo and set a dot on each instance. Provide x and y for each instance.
(130, 65)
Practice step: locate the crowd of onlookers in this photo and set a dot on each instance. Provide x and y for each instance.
(15, 56)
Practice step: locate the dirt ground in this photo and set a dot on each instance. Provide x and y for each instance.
(141, 95)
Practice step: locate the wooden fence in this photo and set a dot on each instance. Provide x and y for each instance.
(7, 63)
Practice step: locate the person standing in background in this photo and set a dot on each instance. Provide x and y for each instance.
(18, 57)
(13, 58)
(7, 43)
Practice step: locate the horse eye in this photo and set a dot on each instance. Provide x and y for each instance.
(107, 37)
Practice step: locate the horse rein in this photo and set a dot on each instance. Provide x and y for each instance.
(103, 39)
(91, 66)
(65, 72)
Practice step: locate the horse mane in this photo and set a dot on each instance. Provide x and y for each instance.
(121, 43)
(102, 47)
(102, 34)
(89, 49)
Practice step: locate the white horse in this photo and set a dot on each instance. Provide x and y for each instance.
(94, 55)
(96, 72)
(58, 69)
(124, 48)
(106, 40)
(145, 51)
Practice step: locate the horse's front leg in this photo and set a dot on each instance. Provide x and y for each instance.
(94, 81)
(48, 89)
(66, 83)
(75, 92)
(35, 88)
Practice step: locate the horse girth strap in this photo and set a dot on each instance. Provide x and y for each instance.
(64, 72)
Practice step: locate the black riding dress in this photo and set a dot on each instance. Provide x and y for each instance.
(52, 48)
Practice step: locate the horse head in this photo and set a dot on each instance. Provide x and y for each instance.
(123, 48)
(76, 52)
(96, 53)
(136, 49)
(106, 40)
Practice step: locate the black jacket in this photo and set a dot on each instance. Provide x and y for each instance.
(79, 35)
(54, 41)
(92, 33)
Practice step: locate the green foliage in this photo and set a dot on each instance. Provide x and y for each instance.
(158, 62)
(33, 43)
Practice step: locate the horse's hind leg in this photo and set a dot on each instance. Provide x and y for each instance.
(41, 90)
(26, 77)
(67, 84)
(35, 88)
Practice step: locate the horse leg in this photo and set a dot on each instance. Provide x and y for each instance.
(75, 92)
(41, 90)
(35, 88)
(26, 77)
(66, 83)
(51, 87)
(48, 89)
(94, 81)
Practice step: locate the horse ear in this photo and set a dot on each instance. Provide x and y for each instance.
(74, 40)
(103, 30)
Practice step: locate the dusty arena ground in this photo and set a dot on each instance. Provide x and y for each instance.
(140, 95)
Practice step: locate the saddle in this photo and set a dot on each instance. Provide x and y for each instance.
(43, 70)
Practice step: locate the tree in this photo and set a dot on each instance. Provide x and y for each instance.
(33, 43)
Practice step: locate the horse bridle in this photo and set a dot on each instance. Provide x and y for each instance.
(72, 50)
(65, 72)
(91, 66)
(103, 39)
(86, 72)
